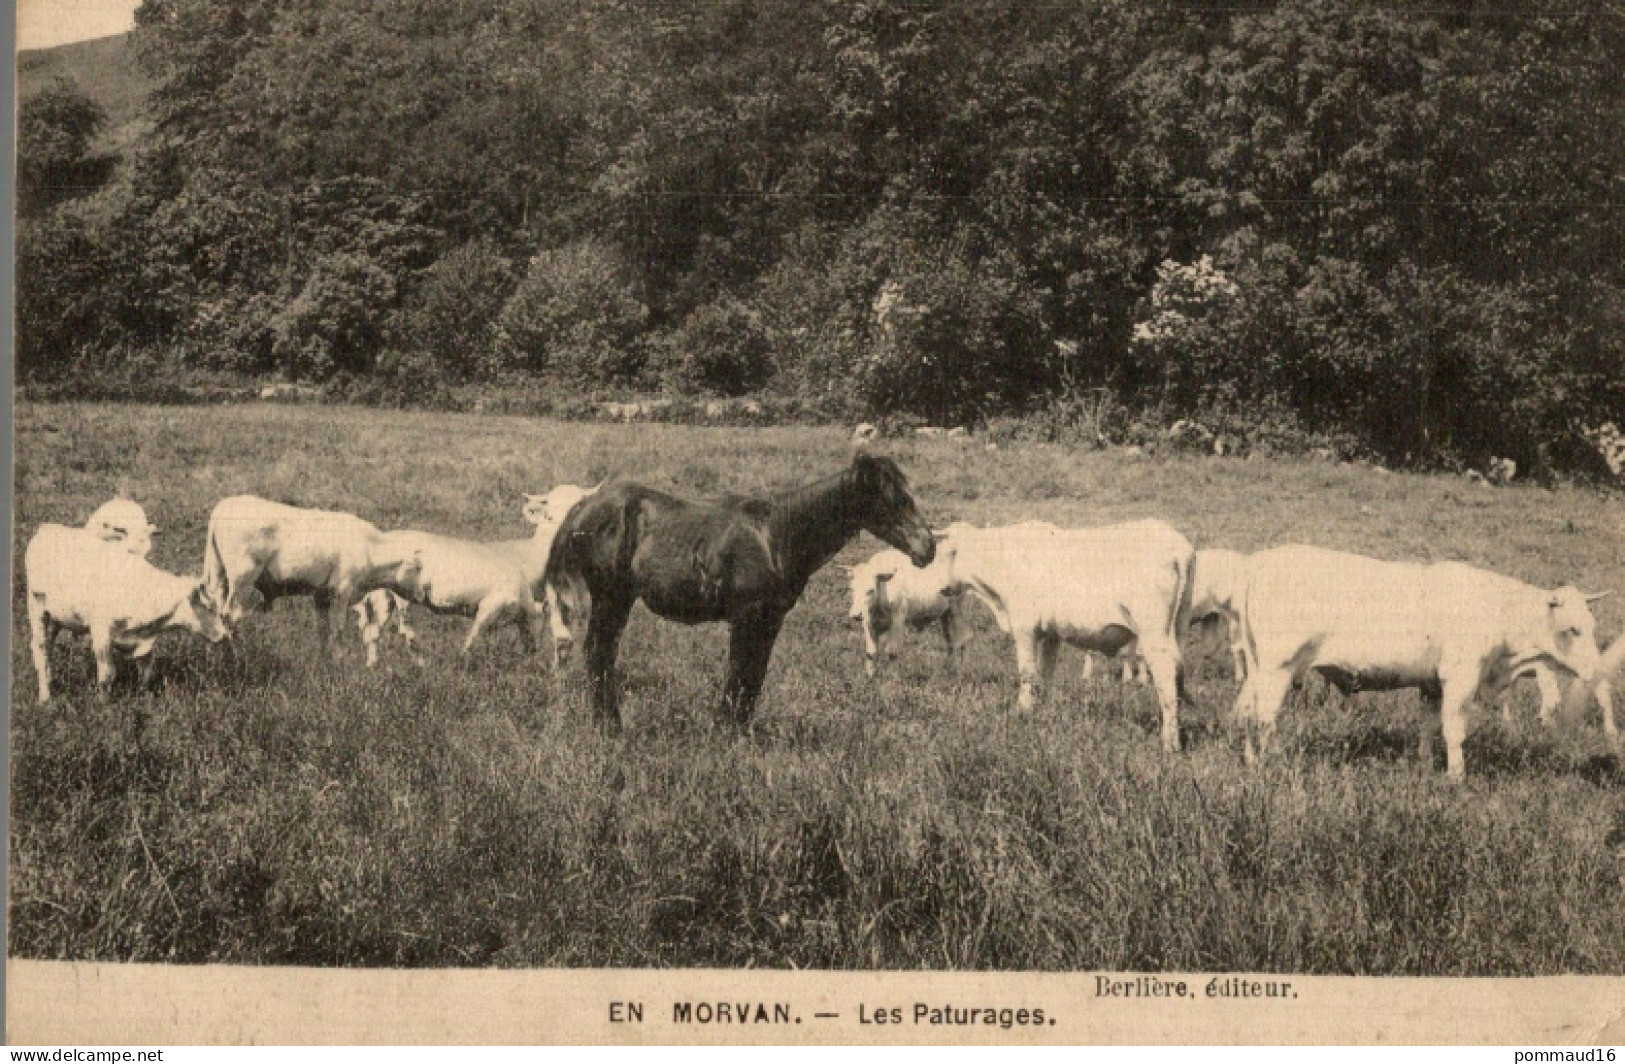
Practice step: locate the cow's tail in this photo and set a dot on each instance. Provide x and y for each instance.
(216, 579)
(1179, 607)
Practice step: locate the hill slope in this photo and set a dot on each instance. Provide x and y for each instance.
(105, 69)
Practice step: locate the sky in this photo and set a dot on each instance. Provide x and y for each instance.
(48, 23)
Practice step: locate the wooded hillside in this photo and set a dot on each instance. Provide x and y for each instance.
(1395, 226)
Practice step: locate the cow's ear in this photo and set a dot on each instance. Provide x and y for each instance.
(881, 578)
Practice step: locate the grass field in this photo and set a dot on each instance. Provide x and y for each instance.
(270, 808)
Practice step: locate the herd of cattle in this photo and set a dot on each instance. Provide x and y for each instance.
(1448, 629)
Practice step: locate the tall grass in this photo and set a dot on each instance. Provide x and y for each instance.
(261, 808)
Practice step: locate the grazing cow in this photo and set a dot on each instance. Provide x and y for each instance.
(491, 581)
(1447, 629)
(1218, 585)
(484, 580)
(888, 593)
(373, 615)
(277, 550)
(123, 521)
(80, 582)
(741, 560)
(1096, 588)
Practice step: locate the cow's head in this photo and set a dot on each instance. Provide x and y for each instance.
(199, 613)
(1568, 632)
(551, 508)
(408, 577)
(123, 521)
(870, 609)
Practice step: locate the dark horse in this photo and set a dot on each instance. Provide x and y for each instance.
(737, 559)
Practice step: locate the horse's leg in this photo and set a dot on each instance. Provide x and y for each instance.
(604, 629)
(750, 648)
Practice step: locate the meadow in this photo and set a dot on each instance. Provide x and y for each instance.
(264, 806)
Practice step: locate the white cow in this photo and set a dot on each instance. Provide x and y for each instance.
(460, 576)
(1447, 629)
(889, 593)
(1218, 585)
(490, 581)
(1096, 588)
(78, 581)
(277, 550)
(123, 521)
(373, 615)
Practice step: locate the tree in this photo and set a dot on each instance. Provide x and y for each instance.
(55, 129)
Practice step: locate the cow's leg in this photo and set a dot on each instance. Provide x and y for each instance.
(101, 645)
(1049, 653)
(145, 670)
(1133, 663)
(370, 634)
(1088, 665)
(409, 636)
(529, 623)
(604, 629)
(1163, 661)
(322, 603)
(1605, 698)
(1550, 693)
(1457, 683)
(41, 630)
(1027, 643)
(750, 649)
(558, 625)
(491, 609)
(953, 630)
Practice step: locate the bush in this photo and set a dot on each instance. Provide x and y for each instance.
(336, 323)
(955, 338)
(55, 128)
(574, 317)
(451, 317)
(62, 275)
(722, 349)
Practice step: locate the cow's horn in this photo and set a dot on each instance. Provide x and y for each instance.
(1598, 595)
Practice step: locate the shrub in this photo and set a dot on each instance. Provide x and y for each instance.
(451, 316)
(55, 128)
(723, 348)
(574, 316)
(336, 323)
(954, 338)
(62, 274)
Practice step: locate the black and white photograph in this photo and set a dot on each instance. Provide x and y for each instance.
(1127, 492)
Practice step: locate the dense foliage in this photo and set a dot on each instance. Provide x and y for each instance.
(1397, 225)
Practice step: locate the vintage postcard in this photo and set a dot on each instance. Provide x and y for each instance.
(619, 521)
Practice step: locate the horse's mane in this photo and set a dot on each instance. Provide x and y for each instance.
(884, 469)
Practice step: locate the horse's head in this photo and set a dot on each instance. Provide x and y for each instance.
(889, 512)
